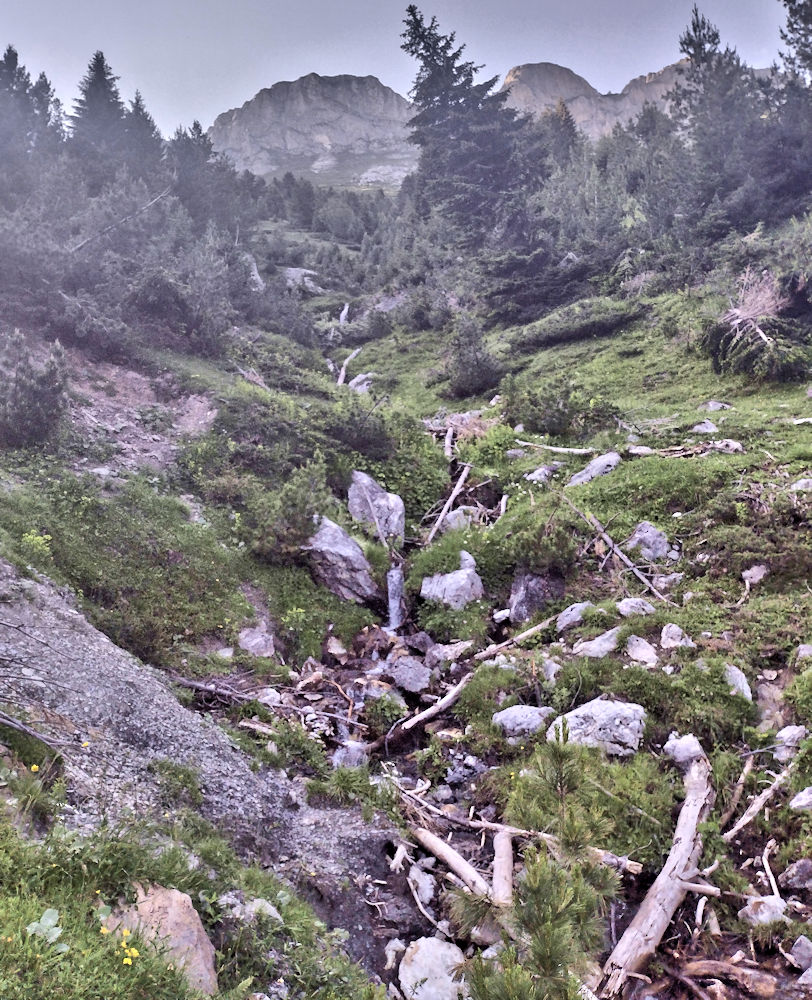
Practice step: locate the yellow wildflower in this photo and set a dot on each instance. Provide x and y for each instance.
(35, 768)
(104, 930)
(134, 953)
(126, 932)
(127, 961)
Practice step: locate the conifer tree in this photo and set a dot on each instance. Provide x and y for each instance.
(142, 144)
(98, 117)
(798, 36)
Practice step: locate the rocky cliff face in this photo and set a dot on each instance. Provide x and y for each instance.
(537, 87)
(343, 129)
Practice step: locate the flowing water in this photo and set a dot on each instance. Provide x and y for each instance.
(394, 587)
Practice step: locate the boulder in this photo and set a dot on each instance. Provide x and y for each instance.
(350, 754)
(727, 445)
(801, 951)
(460, 517)
(641, 651)
(600, 466)
(602, 645)
(248, 911)
(802, 802)
(787, 743)
(797, 876)
(409, 673)
(339, 564)
(667, 581)
(737, 680)
(521, 720)
(764, 910)
(672, 637)
(531, 593)
(456, 589)
(714, 405)
(616, 727)
(704, 427)
(572, 616)
(427, 971)
(634, 606)
(370, 504)
(801, 486)
(257, 640)
(167, 918)
(650, 542)
(803, 652)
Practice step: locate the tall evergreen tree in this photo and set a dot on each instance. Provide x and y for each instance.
(98, 116)
(798, 36)
(142, 144)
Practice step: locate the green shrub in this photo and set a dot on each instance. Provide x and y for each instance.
(583, 320)
(32, 401)
(558, 407)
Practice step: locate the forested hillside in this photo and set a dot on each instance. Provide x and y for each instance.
(417, 580)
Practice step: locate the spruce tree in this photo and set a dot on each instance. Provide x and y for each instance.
(97, 122)
(142, 145)
(798, 36)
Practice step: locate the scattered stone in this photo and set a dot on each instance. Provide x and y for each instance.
(339, 564)
(755, 574)
(798, 875)
(600, 466)
(225, 652)
(521, 720)
(801, 951)
(683, 749)
(501, 616)
(246, 912)
(369, 503)
(803, 652)
(393, 948)
(551, 668)
(641, 651)
(602, 645)
(616, 727)
(727, 445)
(459, 518)
(634, 606)
(672, 637)
(167, 918)
(456, 589)
(409, 674)
(787, 743)
(425, 885)
(257, 641)
(350, 754)
(667, 581)
(737, 680)
(764, 910)
(805, 979)
(801, 486)
(427, 971)
(268, 697)
(802, 801)
(705, 427)
(713, 405)
(650, 542)
(531, 593)
(421, 641)
(439, 654)
(639, 450)
(515, 453)
(572, 616)
(544, 473)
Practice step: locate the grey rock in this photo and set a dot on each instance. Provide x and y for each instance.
(801, 951)
(225, 652)
(616, 727)
(650, 542)
(600, 466)
(602, 645)
(634, 606)
(521, 720)
(667, 581)
(713, 405)
(805, 979)
(515, 453)
(801, 486)
(672, 637)
(427, 971)
(798, 875)
(362, 382)
(269, 697)
(727, 445)
(641, 651)
(257, 640)
(705, 427)
(803, 652)
(572, 616)
(247, 911)
(456, 589)
(369, 503)
(531, 593)
(409, 674)
(755, 574)
(460, 517)
(425, 885)
(639, 450)
(737, 680)
(764, 910)
(551, 669)
(802, 802)
(683, 749)
(350, 754)
(787, 743)
(544, 473)
(339, 564)
(440, 653)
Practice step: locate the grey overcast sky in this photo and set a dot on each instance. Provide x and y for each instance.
(195, 58)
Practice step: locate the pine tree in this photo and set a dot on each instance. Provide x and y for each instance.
(142, 144)
(798, 36)
(97, 122)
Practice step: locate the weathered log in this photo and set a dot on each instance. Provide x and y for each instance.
(528, 633)
(502, 893)
(643, 935)
(342, 375)
(758, 804)
(556, 449)
(447, 506)
(753, 981)
(452, 859)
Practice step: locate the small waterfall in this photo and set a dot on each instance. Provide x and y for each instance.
(394, 587)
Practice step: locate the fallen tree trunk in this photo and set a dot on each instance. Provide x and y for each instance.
(644, 933)
(447, 507)
(451, 859)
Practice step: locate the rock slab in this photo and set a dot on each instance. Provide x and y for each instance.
(456, 589)
(339, 564)
(427, 971)
(616, 727)
(600, 466)
(370, 504)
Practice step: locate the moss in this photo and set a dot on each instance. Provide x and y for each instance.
(445, 624)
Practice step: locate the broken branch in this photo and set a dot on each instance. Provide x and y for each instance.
(447, 506)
